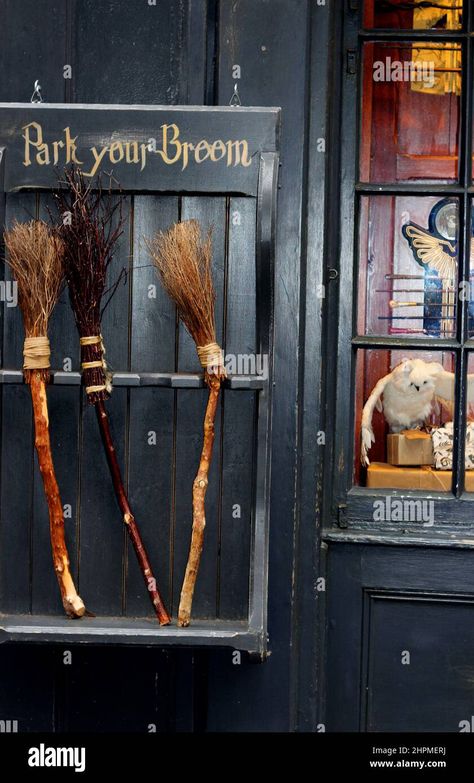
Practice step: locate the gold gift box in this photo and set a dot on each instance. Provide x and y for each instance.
(380, 475)
(410, 447)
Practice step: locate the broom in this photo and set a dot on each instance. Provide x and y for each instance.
(34, 256)
(93, 225)
(183, 260)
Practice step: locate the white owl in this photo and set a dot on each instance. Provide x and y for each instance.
(409, 393)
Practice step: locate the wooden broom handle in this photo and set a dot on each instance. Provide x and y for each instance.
(72, 602)
(199, 497)
(128, 518)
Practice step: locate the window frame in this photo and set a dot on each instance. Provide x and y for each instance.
(352, 506)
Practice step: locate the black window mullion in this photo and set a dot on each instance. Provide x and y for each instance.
(464, 253)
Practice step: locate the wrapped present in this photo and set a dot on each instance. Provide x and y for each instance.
(443, 446)
(381, 475)
(410, 447)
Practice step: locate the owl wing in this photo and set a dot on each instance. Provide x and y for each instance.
(367, 436)
(444, 386)
(432, 251)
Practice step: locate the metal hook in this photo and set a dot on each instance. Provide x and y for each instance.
(36, 97)
(235, 100)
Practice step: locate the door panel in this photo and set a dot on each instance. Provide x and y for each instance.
(401, 639)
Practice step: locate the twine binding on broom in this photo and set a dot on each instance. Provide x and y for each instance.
(36, 353)
(211, 356)
(107, 386)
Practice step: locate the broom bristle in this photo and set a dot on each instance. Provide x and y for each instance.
(89, 235)
(35, 258)
(184, 262)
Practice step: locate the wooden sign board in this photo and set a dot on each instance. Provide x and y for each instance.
(147, 148)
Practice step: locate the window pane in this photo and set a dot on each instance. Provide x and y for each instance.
(403, 15)
(415, 392)
(408, 266)
(410, 112)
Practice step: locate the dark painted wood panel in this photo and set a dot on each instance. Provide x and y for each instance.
(382, 601)
(153, 314)
(27, 30)
(119, 34)
(152, 411)
(119, 690)
(17, 463)
(151, 491)
(254, 36)
(27, 687)
(237, 413)
(16, 499)
(102, 534)
(307, 683)
(237, 450)
(115, 321)
(420, 668)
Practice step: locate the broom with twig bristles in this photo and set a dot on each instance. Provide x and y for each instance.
(34, 256)
(89, 234)
(184, 260)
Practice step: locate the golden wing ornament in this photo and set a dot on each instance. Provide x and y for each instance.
(439, 255)
(433, 251)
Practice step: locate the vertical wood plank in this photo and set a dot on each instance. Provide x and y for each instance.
(101, 566)
(151, 490)
(26, 54)
(17, 449)
(159, 30)
(237, 413)
(151, 467)
(254, 35)
(153, 313)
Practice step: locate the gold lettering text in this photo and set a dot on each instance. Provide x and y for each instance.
(97, 160)
(36, 142)
(116, 146)
(218, 150)
(71, 148)
(170, 142)
(203, 146)
(238, 153)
